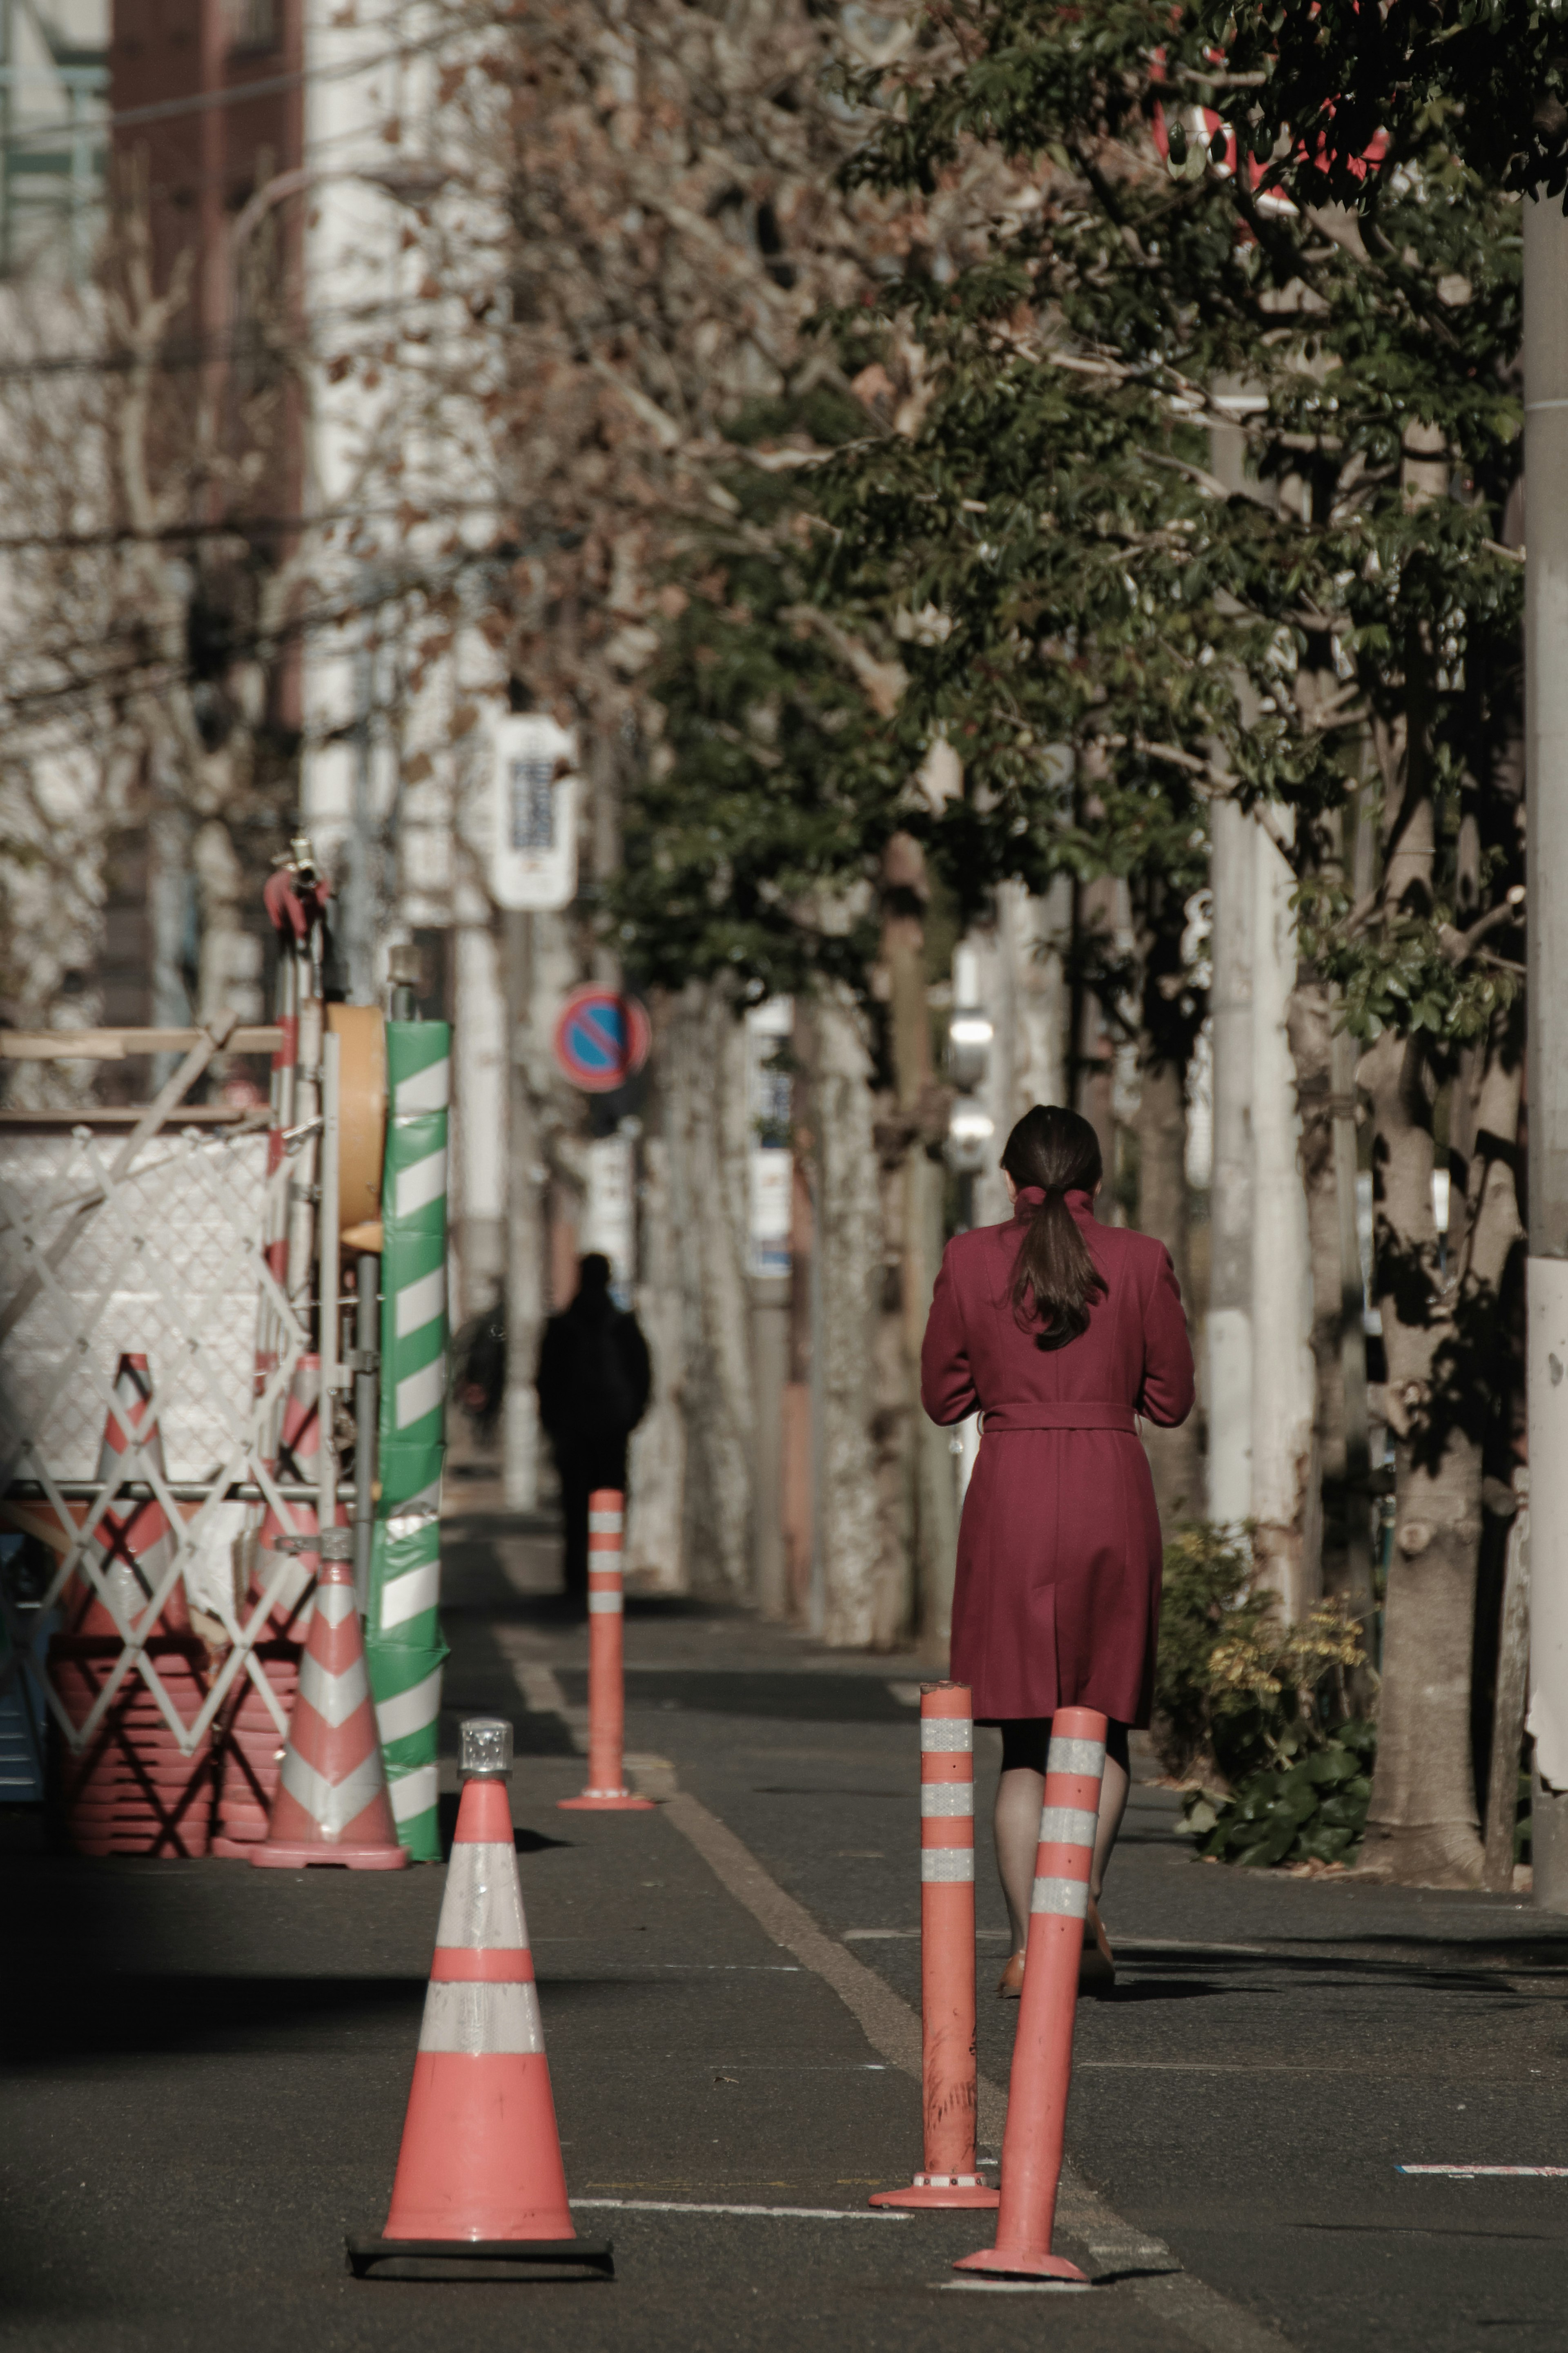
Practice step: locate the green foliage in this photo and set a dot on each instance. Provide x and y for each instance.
(1037, 562)
(753, 840)
(1206, 1597)
(1237, 1693)
(1309, 1806)
(1088, 581)
(1328, 81)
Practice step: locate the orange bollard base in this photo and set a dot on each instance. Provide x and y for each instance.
(605, 1801)
(928, 2190)
(1020, 2265)
(283, 1855)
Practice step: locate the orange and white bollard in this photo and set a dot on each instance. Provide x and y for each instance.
(1042, 2054)
(606, 1791)
(951, 2177)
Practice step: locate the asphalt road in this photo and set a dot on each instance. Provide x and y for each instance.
(208, 2066)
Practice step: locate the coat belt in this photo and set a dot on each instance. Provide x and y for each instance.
(1073, 1413)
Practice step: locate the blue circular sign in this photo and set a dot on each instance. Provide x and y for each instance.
(602, 1040)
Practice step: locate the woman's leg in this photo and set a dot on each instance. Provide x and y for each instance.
(1020, 1793)
(1113, 1792)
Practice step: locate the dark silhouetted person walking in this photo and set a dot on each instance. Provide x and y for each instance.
(594, 1381)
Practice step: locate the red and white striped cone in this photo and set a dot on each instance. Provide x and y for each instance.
(606, 1791)
(252, 1745)
(1042, 2054)
(132, 1546)
(480, 2167)
(331, 1804)
(948, 2072)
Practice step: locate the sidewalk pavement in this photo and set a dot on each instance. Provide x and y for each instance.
(208, 2065)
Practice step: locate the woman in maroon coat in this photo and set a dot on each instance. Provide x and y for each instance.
(1061, 1331)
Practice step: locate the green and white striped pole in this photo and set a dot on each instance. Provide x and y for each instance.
(403, 1648)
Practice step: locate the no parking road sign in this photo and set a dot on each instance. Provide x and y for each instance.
(602, 1040)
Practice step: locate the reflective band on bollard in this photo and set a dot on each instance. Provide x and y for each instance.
(606, 1791)
(947, 1956)
(1042, 2052)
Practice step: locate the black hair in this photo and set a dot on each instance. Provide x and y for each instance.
(1055, 1281)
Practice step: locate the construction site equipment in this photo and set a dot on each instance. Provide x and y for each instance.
(146, 1246)
(1042, 2050)
(403, 1635)
(331, 1805)
(947, 2070)
(479, 2173)
(252, 1745)
(606, 1791)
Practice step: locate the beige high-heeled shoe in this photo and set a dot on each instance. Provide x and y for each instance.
(1096, 1968)
(1010, 1984)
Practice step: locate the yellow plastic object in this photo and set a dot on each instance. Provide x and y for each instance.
(362, 1109)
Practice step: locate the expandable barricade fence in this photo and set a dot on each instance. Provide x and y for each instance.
(139, 1429)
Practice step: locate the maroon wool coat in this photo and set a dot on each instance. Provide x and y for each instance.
(1058, 1597)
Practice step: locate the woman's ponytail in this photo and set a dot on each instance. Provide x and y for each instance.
(1054, 1280)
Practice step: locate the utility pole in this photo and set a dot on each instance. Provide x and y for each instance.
(534, 867)
(1233, 839)
(524, 1252)
(1281, 1313)
(1546, 767)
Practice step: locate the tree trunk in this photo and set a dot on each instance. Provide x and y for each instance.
(862, 1594)
(654, 1553)
(1161, 1125)
(1422, 1824)
(1023, 991)
(707, 1135)
(1310, 1025)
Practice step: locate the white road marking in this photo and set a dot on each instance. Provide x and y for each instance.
(788, 2213)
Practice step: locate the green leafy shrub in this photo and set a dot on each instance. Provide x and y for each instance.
(1308, 1806)
(1243, 1699)
(1207, 1599)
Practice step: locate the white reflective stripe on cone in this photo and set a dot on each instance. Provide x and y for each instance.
(480, 2021)
(946, 1862)
(943, 1736)
(605, 1523)
(334, 1697)
(333, 1804)
(939, 1797)
(334, 1602)
(604, 1604)
(483, 1907)
(1076, 1757)
(1067, 1898)
(1068, 1826)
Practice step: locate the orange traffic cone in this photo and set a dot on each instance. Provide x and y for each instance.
(480, 2172)
(331, 1804)
(1042, 2049)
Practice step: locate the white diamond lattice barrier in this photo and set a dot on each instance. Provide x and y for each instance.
(159, 1260)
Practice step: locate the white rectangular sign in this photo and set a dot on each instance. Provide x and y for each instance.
(533, 806)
